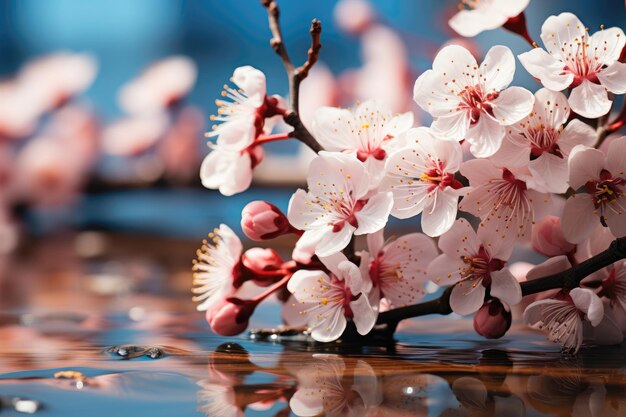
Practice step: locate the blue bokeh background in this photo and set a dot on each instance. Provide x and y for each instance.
(126, 36)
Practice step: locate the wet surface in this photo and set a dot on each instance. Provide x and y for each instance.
(113, 332)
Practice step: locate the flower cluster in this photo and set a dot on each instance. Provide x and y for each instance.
(498, 168)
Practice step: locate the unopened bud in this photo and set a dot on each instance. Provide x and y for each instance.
(261, 262)
(229, 317)
(261, 220)
(492, 320)
(548, 239)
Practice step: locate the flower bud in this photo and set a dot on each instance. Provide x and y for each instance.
(260, 260)
(229, 317)
(548, 239)
(492, 320)
(261, 220)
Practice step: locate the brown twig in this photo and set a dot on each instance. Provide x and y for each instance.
(567, 279)
(295, 75)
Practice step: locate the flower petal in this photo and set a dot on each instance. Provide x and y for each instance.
(547, 69)
(485, 137)
(590, 100)
(512, 105)
(374, 214)
(364, 315)
(614, 78)
(578, 220)
(585, 164)
(589, 303)
(498, 68)
(467, 297)
(505, 287)
(439, 215)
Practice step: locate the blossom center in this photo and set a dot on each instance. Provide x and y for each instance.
(475, 100)
(347, 213)
(382, 273)
(480, 266)
(543, 139)
(438, 178)
(606, 192)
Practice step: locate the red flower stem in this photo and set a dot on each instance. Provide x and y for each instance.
(270, 138)
(277, 286)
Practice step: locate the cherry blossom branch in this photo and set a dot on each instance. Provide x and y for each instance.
(567, 279)
(295, 74)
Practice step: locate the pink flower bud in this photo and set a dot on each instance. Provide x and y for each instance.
(492, 320)
(261, 220)
(229, 317)
(259, 262)
(548, 239)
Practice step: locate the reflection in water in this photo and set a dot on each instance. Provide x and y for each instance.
(69, 347)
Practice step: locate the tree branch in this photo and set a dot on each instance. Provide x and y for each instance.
(567, 279)
(295, 75)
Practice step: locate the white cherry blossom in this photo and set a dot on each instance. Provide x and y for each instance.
(601, 184)
(501, 197)
(588, 64)
(229, 171)
(421, 178)
(338, 204)
(244, 118)
(397, 268)
(472, 102)
(563, 316)
(369, 132)
(476, 263)
(216, 267)
(543, 142)
(331, 298)
(476, 16)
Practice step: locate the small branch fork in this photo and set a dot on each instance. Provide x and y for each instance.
(567, 279)
(295, 74)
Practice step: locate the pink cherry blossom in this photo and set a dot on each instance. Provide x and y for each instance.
(134, 135)
(354, 16)
(333, 297)
(472, 102)
(588, 64)
(542, 142)
(386, 73)
(397, 268)
(55, 78)
(368, 132)
(160, 85)
(229, 171)
(338, 204)
(477, 16)
(476, 263)
(244, 118)
(563, 316)
(501, 198)
(216, 268)
(421, 178)
(601, 184)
